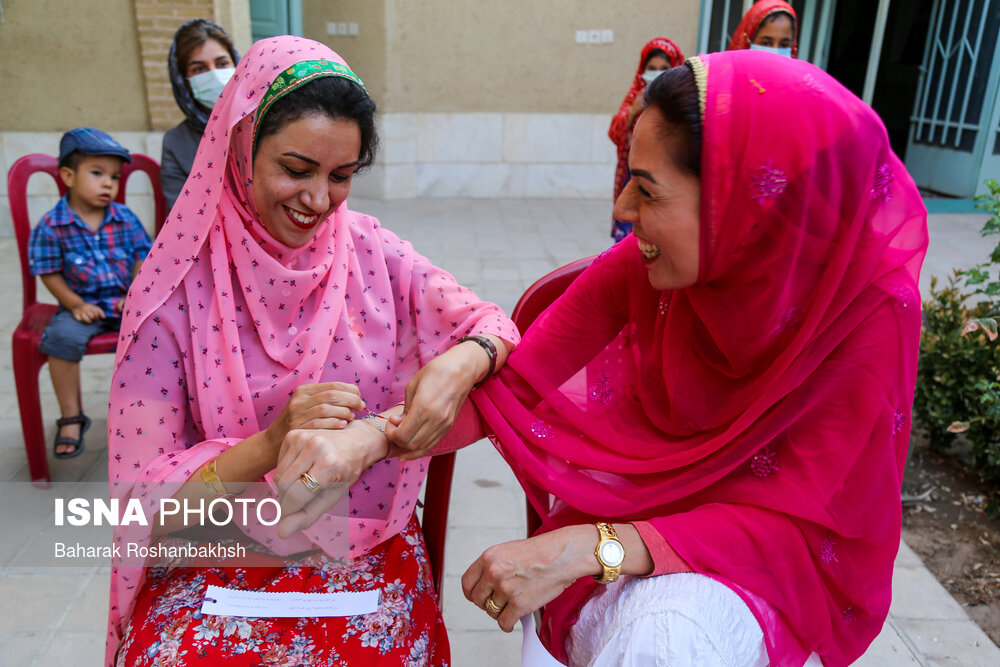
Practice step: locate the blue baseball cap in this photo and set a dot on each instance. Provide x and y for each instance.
(89, 141)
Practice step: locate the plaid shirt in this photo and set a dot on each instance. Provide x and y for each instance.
(96, 265)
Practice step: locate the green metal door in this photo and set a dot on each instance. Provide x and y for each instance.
(990, 166)
(953, 130)
(275, 17)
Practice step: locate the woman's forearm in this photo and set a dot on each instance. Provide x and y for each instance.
(237, 467)
(475, 358)
(582, 539)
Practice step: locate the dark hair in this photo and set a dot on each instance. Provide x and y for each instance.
(193, 35)
(773, 16)
(652, 54)
(72, 161)
(674, 95)
(334, 96)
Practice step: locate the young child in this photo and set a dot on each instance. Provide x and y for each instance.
(87, 250)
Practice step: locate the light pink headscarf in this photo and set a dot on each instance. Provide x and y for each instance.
(759, 419)
(223, 322)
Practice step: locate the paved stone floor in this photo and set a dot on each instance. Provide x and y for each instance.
(498, 247)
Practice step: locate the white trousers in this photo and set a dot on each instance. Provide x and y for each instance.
(673, 620)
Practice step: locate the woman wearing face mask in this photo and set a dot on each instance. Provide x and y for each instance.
(770, 25)
(201, 61)
(659, 55)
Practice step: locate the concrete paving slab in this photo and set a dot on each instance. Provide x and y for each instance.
(916, 594)
(20, 648)
(889, 648)
(73, 648)
(487, 648)
(951, 642)
(38, 602)
(906, 557)
(89, 613)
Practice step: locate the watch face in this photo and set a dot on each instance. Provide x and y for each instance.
(612, 553)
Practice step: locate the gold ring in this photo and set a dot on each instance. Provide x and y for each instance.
(310, 482)
(491, 606)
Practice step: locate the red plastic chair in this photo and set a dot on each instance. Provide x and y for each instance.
(434, 521)
(28, 359)
(532, 303)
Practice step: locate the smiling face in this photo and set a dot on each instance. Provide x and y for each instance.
(662, 202)
(302, 173)
(777, 32)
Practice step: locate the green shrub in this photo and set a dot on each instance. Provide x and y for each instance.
(956, 376)
(958, 382)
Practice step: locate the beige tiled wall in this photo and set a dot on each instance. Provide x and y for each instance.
(492, 155)
(422, 155)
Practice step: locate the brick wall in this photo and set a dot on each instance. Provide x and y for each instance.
(157, 21)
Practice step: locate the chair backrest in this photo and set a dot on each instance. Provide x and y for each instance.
(544, 291)
(532, 303)
(141, 162)
(437, 495)
(17, 194)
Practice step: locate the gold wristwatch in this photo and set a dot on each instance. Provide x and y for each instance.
(610, 554)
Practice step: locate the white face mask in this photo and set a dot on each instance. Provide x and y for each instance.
(649, 75)
(780, 50)
(207, 86)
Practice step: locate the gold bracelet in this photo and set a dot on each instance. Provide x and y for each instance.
(212, 482)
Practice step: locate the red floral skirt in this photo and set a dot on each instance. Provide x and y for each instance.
(168, 628)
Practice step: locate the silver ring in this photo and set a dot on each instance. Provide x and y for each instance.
(310, 482)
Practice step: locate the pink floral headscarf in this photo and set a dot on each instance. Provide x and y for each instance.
(223, 322)
(758, 420)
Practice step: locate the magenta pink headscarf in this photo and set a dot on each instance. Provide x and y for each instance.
(223, 322)
(759, 420)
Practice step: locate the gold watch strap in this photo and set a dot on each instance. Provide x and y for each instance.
(608, 573)
(212, 482)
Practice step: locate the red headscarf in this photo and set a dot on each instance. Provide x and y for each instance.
(759, 419)
(750, 24)
(620, 131)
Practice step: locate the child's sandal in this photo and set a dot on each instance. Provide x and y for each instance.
(77, 443)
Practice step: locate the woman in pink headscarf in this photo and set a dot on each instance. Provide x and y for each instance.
(712, 421)
(657, 56)
(269, 317)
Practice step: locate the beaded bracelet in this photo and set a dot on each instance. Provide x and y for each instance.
(491, 350)
(375, 417)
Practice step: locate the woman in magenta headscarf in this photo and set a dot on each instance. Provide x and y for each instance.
(270, 316)
(658, 55)
(727, 392)
(730, 389)
(770, 25)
